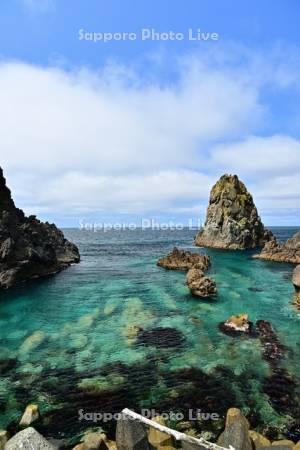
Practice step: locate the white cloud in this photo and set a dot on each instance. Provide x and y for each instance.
(75, 143)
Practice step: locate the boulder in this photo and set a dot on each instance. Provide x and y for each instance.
(29, 439)
(161, 337)
(30, 415)
(28, 247)
(199, 284)
(288, 251)
(236, 325)
(158, 439)
(184, 260)
(232, 220)
(278, 447)
(131, 435)
(284, 442)
(236, 431)
(4, 437)
(258, 439)
(296, 278)
(297, 446)
(94, 441)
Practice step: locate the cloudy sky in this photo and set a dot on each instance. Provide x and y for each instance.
(129, 129)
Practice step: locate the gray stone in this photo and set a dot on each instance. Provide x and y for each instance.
(131, 435)
(29, 439)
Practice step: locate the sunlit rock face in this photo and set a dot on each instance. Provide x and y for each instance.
(28, 247)
(232, 220)
(288, 251)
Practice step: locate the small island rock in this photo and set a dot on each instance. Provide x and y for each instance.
(199, 284)
(232, 220)
(184, 260)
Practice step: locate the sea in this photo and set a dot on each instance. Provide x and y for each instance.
(75, 343)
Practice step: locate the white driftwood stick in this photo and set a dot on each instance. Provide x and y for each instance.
(176, 434)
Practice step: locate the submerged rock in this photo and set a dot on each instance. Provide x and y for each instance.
(281, 387)
(200, 285)
(273, 350)
(236, 325)
(30, 415)
(7, 364)
(161, 337)
(28, 247)
(288, 252)
(232, 220)
(32, 342)
(184, 260)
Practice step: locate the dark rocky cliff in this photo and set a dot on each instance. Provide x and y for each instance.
(28, 247)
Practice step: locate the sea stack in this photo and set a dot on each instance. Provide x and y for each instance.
(232, 220)
(28, 247)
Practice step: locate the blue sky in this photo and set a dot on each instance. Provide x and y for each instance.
(129, 129)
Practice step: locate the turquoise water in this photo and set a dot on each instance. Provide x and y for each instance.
(71, 337)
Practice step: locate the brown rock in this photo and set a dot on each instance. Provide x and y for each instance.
(160, 440)
(288, 252)
(4, 437)
(284, 442)
(184, 260)
(258, 439)
(30, 415)
(200, 285)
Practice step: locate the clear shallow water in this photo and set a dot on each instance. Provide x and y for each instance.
(71, 335)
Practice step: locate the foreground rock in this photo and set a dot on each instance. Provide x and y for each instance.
(200, 285)
(236, 325)
(28, 247)
(29, 439)
(3, 438)
(30, 415)
(288, 252)
(159, 439)
(184, 260)
(131, 435)
(232, 220)
(236, 431)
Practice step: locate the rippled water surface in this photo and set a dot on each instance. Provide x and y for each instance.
(70, 338)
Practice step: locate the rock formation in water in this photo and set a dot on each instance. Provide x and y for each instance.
(296, 283)
(288, 251)
(199, 284)
(236, 325)
(184, 260)
(232, 221)
(28, 247)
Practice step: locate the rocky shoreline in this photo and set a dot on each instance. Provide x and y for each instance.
(29, 248)
(133, 434)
